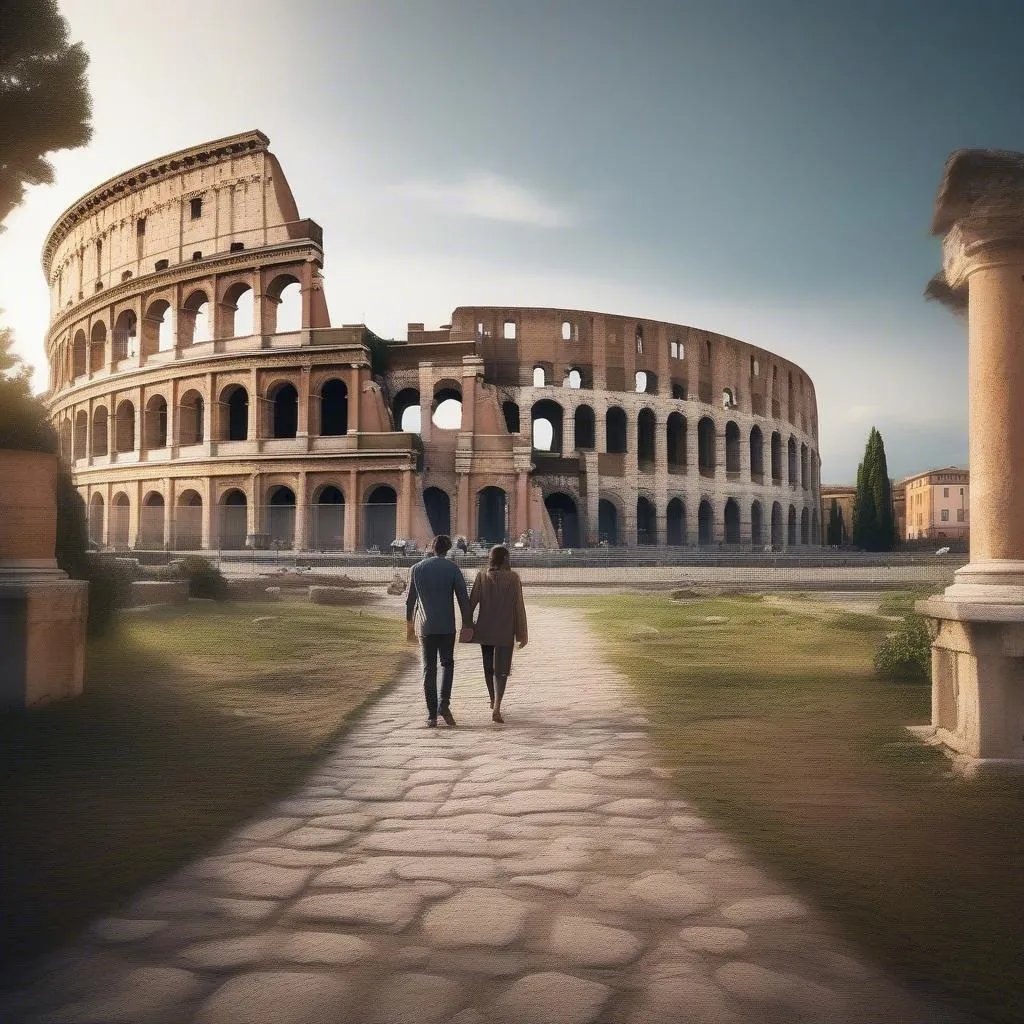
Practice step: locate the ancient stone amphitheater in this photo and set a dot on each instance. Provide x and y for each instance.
(204, 400)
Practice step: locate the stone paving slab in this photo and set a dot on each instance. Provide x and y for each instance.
(543, 870)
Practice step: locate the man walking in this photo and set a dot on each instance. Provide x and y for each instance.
(432, 585)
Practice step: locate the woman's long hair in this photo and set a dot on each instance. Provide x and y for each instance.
(499, 557)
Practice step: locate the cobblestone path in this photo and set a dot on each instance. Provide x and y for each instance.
(542, 872)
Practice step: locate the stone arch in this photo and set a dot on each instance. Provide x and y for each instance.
(438, 505)
(124, 427)
(151, 522)
(646, 521)
(120, 520)
(791, 468)
(195, 327)
(732, 521)
(157, 328)
(283, 305)
(100, 431)
(492, 515)
(608, 522)
(334, 408)
(234, 410)
(380, 517)
(776, 458)
(155, 422)
(234, 519)
(79, 355)
(675, 523)
(283, 397)
(447, 405)
(188, 521)
(756, 454)
(732, 447)
(97, 346)
(756, 523)
(96, 510)
(646, 430)
(510, 411)
(584, 432)
(124, 340)
(407, 411)
(805, 527)
(281, 516)
(675, 439)
(778, 529)
(573, 379)
(191, 418)
(565, 519)
(705, 523)
(547, 415)
(728, 399)
(706, 446)
(239, 311)
(615, 431)
(539, 377)
(328, 518)
(804, 474)
(791, 527)
(81, 445)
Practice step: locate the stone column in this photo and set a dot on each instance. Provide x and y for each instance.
(978, 653)
(301, 539)
(353, 509)
(464, 512)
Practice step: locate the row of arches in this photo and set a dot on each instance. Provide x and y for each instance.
(231, 420)
(196, 321)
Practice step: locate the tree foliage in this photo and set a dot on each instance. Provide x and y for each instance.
(23, 421)
(44, 96)
(874, 520)
(836, 527)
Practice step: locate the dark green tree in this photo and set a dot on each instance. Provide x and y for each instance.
(874, 526)
(835, 525)
(44, 96)
(23, 421)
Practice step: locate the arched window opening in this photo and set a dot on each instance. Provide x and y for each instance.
(492, 516)
(646, 522)
(679, 390)
(805, 527)
(547, 419)
(705, 524)
(574, 380)
(732, 447)
(81, 434)
(285, 294)
(234, 520)
(438, 506)
(564, 518)
(756, 524)
(777, 534)
(100, 430)
(732, 522)
(776, 458)
(615, 431)
(804, 467)
(607, 523)
(195, 317)
(511, 413)
(639, 339)
(151, 522)
(329, 520)
(98, 346)
(570, 331)
(157, 335)
(792, 467)
(235, 400)
(125, 337)
(791, 527)
(188, 522)
(96, 519)
(447, 409)
(706, 446)
(190, 418)
(584, 428)
(284, 410)
(539, 378)
(645, 441)
(281, 517)
(120, 520)
(675, 523)
(406, 410)
(79, 357)
(334, 408)
(156, 422)
(728, 402)
(641, 381)
(756, 455)
(675, 437)
(380, 518)
(124, 427)
(238, 302)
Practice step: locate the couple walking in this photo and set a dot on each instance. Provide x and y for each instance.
(496, 599)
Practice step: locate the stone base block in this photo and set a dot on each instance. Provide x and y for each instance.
(42, 640)
(158, 592)
(978, 679)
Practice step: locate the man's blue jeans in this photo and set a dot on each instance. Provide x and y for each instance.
(435, 646)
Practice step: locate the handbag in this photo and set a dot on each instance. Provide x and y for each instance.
(466, 635)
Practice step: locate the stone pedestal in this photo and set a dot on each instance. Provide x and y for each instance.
(42, 612)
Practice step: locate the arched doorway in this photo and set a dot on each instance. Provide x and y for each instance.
(236, 399)
(188, 522)
(732, 522)
(646, 522)
(645, 443)
(120, 520)
(777, 534)
(732, 447)
(756, 524)
(281, 517)
(676, 442)
(96, 519)
(615, 431)
(608, 522)
(234, 520)
(285, 415)
(756, 454)
(492, 516)
(334, 408)
(151, 522)
(706, 446)
(329, 520)
(511, 413)
(705, 524)
(406, 411)
(791, 527)
(380, 518)
(675, 523)
(565, 520)
(439, 511)
(547, 417)
(583, 427)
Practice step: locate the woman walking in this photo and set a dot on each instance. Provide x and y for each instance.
(498, 593)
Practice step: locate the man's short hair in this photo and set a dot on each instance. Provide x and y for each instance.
(442, 544)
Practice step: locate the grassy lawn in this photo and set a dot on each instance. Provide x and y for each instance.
(192, 720)
(774, 725)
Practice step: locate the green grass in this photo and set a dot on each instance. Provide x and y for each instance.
(193, 719)
(901, 602)
(775, 726)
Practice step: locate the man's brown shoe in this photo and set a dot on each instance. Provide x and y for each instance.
(448, 717)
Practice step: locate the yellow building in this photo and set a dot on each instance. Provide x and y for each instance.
(939, 505)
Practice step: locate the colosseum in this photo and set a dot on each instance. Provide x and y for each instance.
(203, 399)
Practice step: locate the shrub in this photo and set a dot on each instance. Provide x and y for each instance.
(110, 585)
(204, 579)
(906, 654)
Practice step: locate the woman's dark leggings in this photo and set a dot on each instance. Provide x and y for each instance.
(487, 650)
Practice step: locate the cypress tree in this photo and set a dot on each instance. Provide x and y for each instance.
(881, 492)
(835, 525)
(864, 526)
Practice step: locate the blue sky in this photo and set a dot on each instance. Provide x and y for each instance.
(762, 169)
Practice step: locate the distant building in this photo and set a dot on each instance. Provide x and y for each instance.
(845, 497)
(938, 505)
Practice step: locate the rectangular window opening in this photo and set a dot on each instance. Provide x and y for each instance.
(237, 246)
(196, 208)
(510, 330)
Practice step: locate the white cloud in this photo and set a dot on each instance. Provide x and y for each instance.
(490, 197)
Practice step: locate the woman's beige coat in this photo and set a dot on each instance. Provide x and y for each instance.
(502, 619)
